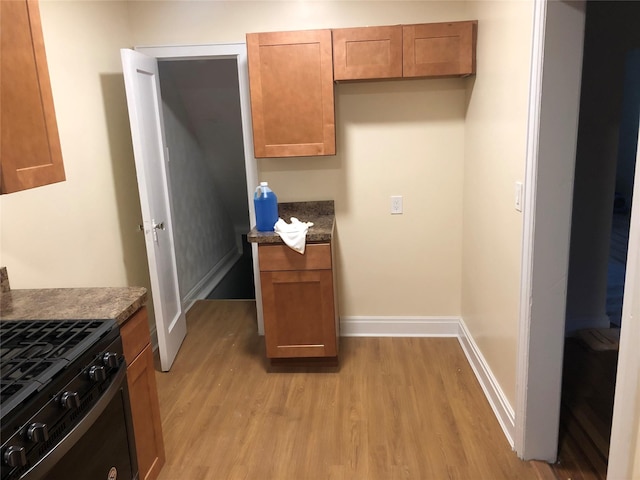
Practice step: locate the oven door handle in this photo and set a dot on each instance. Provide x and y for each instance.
(42, 467)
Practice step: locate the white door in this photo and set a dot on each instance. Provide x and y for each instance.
(147, 132)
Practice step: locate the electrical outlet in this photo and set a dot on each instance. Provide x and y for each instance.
(396, 204)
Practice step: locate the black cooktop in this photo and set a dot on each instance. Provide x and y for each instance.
(33, 352)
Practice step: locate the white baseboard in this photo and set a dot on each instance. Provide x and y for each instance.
(499, 404)
(205, 286)
(399, 326)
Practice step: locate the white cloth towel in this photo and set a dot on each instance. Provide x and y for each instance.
(294, 234)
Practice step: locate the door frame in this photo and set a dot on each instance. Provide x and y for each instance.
(226, 51)
(545, 255)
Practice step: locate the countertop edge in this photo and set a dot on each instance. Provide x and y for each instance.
(97, 303)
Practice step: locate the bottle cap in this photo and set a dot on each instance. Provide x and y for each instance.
(264, 184)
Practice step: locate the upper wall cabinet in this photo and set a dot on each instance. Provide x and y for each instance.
(439, 49)
(30, 153)
(424, 50)
(291, 82)
(367, 52)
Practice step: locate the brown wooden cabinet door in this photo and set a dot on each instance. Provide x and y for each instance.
(439, 49)
(145, 411)
(291, 83)
(299, 313)
(367, 53)
(143, 394)
(30, 151)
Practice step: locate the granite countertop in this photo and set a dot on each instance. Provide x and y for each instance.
(118, 303)
(321, 213)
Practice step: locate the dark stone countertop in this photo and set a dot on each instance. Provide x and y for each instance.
(118, 303)
(321, 213)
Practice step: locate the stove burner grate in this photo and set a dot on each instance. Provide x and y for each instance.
(33, 352)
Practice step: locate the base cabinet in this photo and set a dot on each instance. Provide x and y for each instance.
(145, 408)
(298, 300)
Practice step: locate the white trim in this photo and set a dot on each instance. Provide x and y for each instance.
(399, 326)
(497, 399)
(554, 102)
(528, 228)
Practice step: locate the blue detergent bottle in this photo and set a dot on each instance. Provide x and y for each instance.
(266, 204)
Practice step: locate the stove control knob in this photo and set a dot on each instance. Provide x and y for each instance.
(15, 456)
(97, 373)
(38, 432)
(111, 360)
(70, 400)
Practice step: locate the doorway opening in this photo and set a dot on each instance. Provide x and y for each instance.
(207, 177)
(603, 186)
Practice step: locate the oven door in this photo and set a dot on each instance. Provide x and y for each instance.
(100, 447)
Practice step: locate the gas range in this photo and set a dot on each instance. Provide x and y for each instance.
(53, 375)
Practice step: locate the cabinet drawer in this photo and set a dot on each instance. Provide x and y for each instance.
(135, 335)
(281, 257)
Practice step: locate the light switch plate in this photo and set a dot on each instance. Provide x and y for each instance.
(519, 196)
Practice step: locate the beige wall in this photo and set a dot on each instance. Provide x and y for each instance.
(393, 138)
(81, 232)
(407, 138)
(495, 149)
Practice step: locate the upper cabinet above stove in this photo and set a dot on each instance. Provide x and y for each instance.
(29, 145)
(291, 82)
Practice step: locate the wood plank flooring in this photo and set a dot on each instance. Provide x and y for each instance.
(587, 410)
(395, 408)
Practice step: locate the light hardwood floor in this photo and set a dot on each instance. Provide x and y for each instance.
(396, 408)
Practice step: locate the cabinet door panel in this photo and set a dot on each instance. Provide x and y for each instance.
(299, 313)
(145, 411)
(439, 49)
(30, 147)
(292, 104)
(367, 53)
